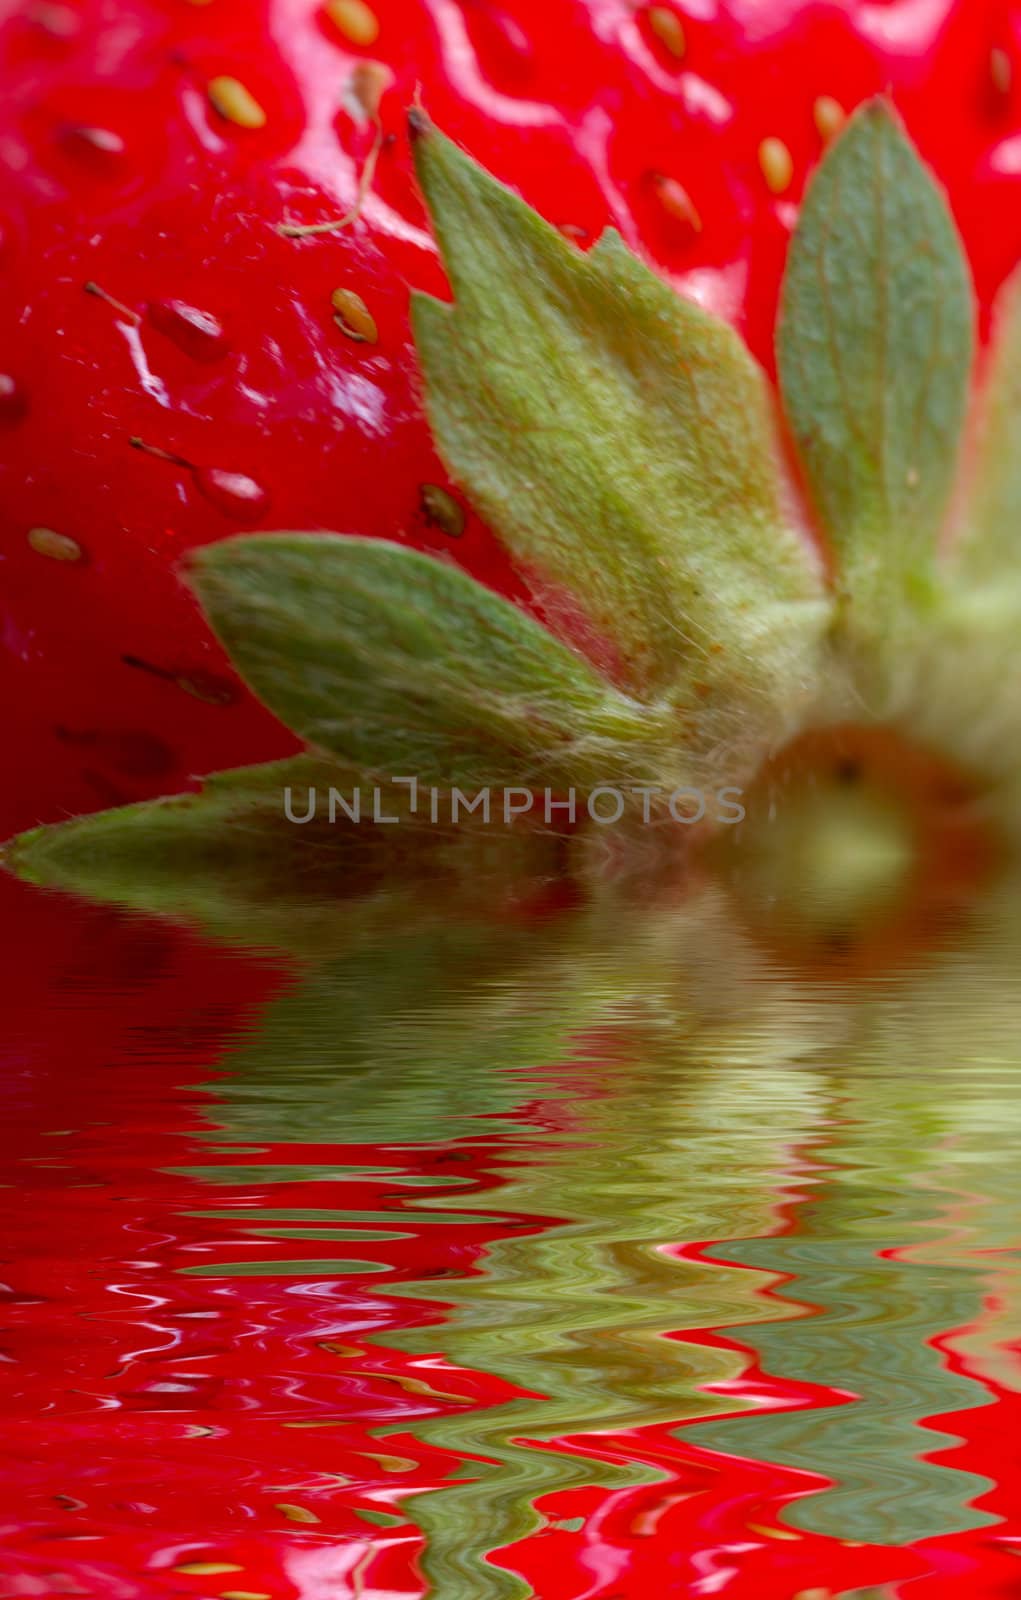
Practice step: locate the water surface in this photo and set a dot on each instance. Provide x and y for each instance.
(560, 1257)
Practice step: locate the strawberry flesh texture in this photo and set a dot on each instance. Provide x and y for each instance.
(229, 357)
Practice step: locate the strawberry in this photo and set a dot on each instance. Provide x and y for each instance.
(682, 644)
(155, 149)
(676, 626)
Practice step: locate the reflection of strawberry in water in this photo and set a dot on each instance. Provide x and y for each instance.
(104, 1020)
(571, 1310)
(160, 1422)
(572, 1314)
(867, 1399)
(115, 1374)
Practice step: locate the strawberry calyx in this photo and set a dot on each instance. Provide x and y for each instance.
(860, 850)
(626, 449)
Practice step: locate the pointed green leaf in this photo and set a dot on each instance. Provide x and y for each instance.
(875, 348)
(230, 860)
(621, 442)
(990, 548)
(401, 664)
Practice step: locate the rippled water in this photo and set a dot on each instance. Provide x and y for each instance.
(561, 1256)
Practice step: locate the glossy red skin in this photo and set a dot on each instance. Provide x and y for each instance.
(577, 104)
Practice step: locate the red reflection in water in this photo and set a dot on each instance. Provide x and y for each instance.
(154, 1421)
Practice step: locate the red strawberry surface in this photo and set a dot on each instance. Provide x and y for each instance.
(214, 340)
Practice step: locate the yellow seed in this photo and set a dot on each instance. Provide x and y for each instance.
(353, 316)
(1000, 70)
(207, 1569)
(295, 1513)
(776, 163)
(353, 19)
(236, 104)
(667, 27)
(677, 203)
(55, 545)
(391, 1463)
(244, 1594)
(829, 116)
(772, 1533)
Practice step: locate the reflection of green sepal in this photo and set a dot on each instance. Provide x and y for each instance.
(419, 1027)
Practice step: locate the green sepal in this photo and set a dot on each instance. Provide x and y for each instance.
(622, 444)
(989, 548)
(400, 664)
(954, 691)
(874, 352)
(232, 862)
